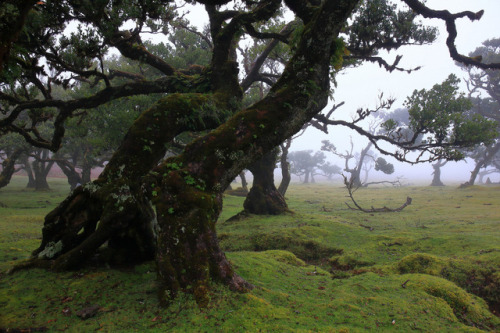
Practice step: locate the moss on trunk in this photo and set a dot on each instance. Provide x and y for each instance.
(264, 198)
(186, 190)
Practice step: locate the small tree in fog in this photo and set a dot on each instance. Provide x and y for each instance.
(305, 163)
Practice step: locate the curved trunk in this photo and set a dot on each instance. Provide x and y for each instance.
(186, 190)
(115, 199)
(436, 179)
(482, 163)
(264, 198)
(9, 167)
(244, 184)
(285, 168)
(68, 169)
(186, 216)
(29, 172)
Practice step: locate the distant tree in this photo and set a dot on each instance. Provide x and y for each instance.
(363, 161)
(286, 177)
(329, 170)
(41, 164)
(304, 163)
(486, 81)
(436, 179)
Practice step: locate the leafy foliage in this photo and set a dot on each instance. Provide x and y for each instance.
(304, 162)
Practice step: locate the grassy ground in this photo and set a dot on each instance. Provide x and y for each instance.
(433, 267)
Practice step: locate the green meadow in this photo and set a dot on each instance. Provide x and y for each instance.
(433, 267)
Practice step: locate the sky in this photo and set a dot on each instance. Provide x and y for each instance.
(361, 87)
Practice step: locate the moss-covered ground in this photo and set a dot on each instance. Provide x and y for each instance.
(434, 267)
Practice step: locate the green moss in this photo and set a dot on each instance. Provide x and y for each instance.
(308, 250)
(349, 262)
(477, 277)
(290, 295)
(469, 309)
(421, 263)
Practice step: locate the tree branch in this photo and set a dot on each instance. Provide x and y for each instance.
(383, 63)
(253, 73)
(450, 19)
(349, 186)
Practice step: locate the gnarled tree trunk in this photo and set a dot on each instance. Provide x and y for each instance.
(483, 162)
(41, 168)
(264, 198)
(285, 167)
(69, 170)
(186, 190)
(436, 179)
(9, 167)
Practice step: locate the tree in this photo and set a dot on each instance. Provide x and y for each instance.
(304, 163)
(263, 197)
(143, 206)
(40, 166)
(488, 82)
(366, 159)
(13, 15)
(329, 170)
(436, 179)
(12, 149)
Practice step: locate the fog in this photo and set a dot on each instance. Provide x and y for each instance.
(360, 87)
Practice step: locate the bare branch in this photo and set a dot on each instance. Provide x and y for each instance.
(383, 63)
(349, 186)
(450, 19)
(253, 72)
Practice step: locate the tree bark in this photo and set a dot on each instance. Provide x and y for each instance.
(264, 198)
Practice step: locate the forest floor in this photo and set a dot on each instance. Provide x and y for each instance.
(433, 267)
